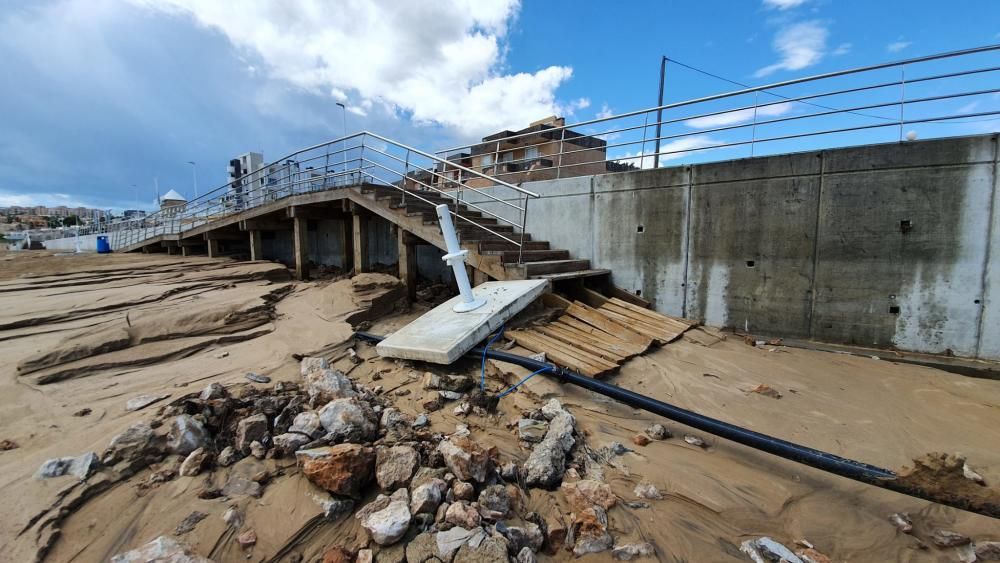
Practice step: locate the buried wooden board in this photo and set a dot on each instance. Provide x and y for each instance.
(561, 354)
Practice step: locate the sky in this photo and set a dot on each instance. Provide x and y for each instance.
(105, 99)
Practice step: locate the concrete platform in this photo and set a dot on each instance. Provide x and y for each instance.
(441, 335)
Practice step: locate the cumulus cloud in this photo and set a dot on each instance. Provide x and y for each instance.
(799, 45)
(738, 116)
(8, 199)
(783, 4)
(897, 46)
(437, 63)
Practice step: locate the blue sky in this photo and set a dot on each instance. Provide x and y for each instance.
(102, 96)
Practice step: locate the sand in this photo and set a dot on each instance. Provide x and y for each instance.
(94, 331)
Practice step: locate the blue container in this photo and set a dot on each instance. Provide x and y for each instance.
(102, 245)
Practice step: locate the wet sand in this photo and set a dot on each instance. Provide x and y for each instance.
(874, 411)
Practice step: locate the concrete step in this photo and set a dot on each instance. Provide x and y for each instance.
(511, 256)
(555, 266)
(571, 275)
(498, 246)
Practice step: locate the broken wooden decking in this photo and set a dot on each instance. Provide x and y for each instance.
(596, 338)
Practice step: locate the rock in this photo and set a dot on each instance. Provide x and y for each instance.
(421, 548)
(343, 469)
(637, 504)
(430, 381)
(555, 536)
(465, 458)
(531, 430)
(695, 441)
(334, 508)
(526, 556)
(143, 401)
(387, 526)
(289, 442)
(257, 378)
(425, 498)
(450, 541)
(227, 457)
(394, 467)
(392, 554)
(83, 412)
(135, 442)
(213, 391)
(547, 462)
(640, 440)
(462, 514)
(585, 493)
(365, 556)
(947, 538)
(811, 555)
(463, 490)
(337, 554)
(971, 475)
(491, 550)
(81, 467)
(902, 522)
(163, 548)
(380, 502)
(325, 385)
(529, 537)
(494, 502)
(988, 550)
(647, 491)
(509, 471)
(631, 551)
(186, 435)
(463, 409)
(233, 517)
(766, 550)
(310, 364)
(348, 420)
(450, 395)
(193, 463)
(240, 485)
(258, 450)
(247, 539)
(307, 423)
(656, 432)
(189, 522)
(421, 421)
(591, 532)
(250, 429)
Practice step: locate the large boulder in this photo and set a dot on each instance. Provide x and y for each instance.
(349, 420)
(425, 498)
(462, 514)
(186, 435)
(465, 458)
(547, 462)
(327, 384)
(343, 469)
(163, 548)
(494, 502)
(491, 550)
(81, 467)
(395, 466)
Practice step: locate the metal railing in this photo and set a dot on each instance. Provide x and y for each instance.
(958, 91)
(362, 158)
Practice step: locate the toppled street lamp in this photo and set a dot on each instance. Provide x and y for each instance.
(456, 259)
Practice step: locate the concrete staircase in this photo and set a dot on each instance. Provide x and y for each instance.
(488, 252)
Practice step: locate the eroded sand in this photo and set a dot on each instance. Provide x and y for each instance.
(874, 411)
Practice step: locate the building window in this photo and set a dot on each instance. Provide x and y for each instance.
(487, 159)
(530, 153)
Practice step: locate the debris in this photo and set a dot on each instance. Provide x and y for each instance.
(227, 457)
(591, 532)
(251, 429)
(81, 467)
(327, 384)
(640, 440)
(695, 441)
(767, 391)
(494, 502)
(766, 550)
(427, 496)
(343, 469)
(131, 444)
(353, 356)
(83, 412)
(588, 492)
(221, 355)
(421, 421)
(189, 522)
(193, 463)
(450, 395)
(395, 466)
(971, 475)
(257, 378)
(942, 476)
(633, 550)
(547, 462)
(247, 539)
(531, 430)
(465, 458)
(508, 471)
(387, 526)
(7, 445)
(658, 432)
(349, 420)
(163, 548)
(186, 435)
(212, 392)
(647, 491)
(902, 522)
(143, 401)
(463, 409)
(947, 538)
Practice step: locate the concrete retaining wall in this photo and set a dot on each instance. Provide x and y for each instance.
(880, 245)
(88, 243)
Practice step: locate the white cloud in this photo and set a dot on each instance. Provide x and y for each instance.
(437, 62)
(800, 45)
(605, 112)
(8, 199)
(676, 149)
(738, 116)
(783, 4)
(897, 46)
(968, 108)
(842, 49)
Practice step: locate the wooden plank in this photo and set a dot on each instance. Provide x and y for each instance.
(555, 301)
(594, 318)
(596, 361)
(579, 343)
(597, 333)
(528, 341)
(618, 293)
(591, 297)
(671, 326)
(615, 347)
(658, 334)
(689, 323)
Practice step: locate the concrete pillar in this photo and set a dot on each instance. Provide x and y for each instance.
(256, 248)
(170, 250)
(213, 248)
(301, 249)
(185, 251)
(347, 255)
(360, 236)
(407, 262)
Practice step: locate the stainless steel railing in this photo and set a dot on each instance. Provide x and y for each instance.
(937, 95)
(361, 158)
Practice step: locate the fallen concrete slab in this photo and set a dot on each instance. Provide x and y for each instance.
(441, 336)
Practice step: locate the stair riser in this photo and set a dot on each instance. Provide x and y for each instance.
(512, 256)
(534, 269)
(506, 246)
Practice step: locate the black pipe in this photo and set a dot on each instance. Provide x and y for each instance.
(805, 455)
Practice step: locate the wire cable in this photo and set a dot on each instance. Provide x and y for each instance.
(482, 372)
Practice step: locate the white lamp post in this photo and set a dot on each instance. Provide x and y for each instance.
(456, 259)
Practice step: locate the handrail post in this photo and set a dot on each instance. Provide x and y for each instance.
(524, 227)
(753, 130)
(562, 140)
